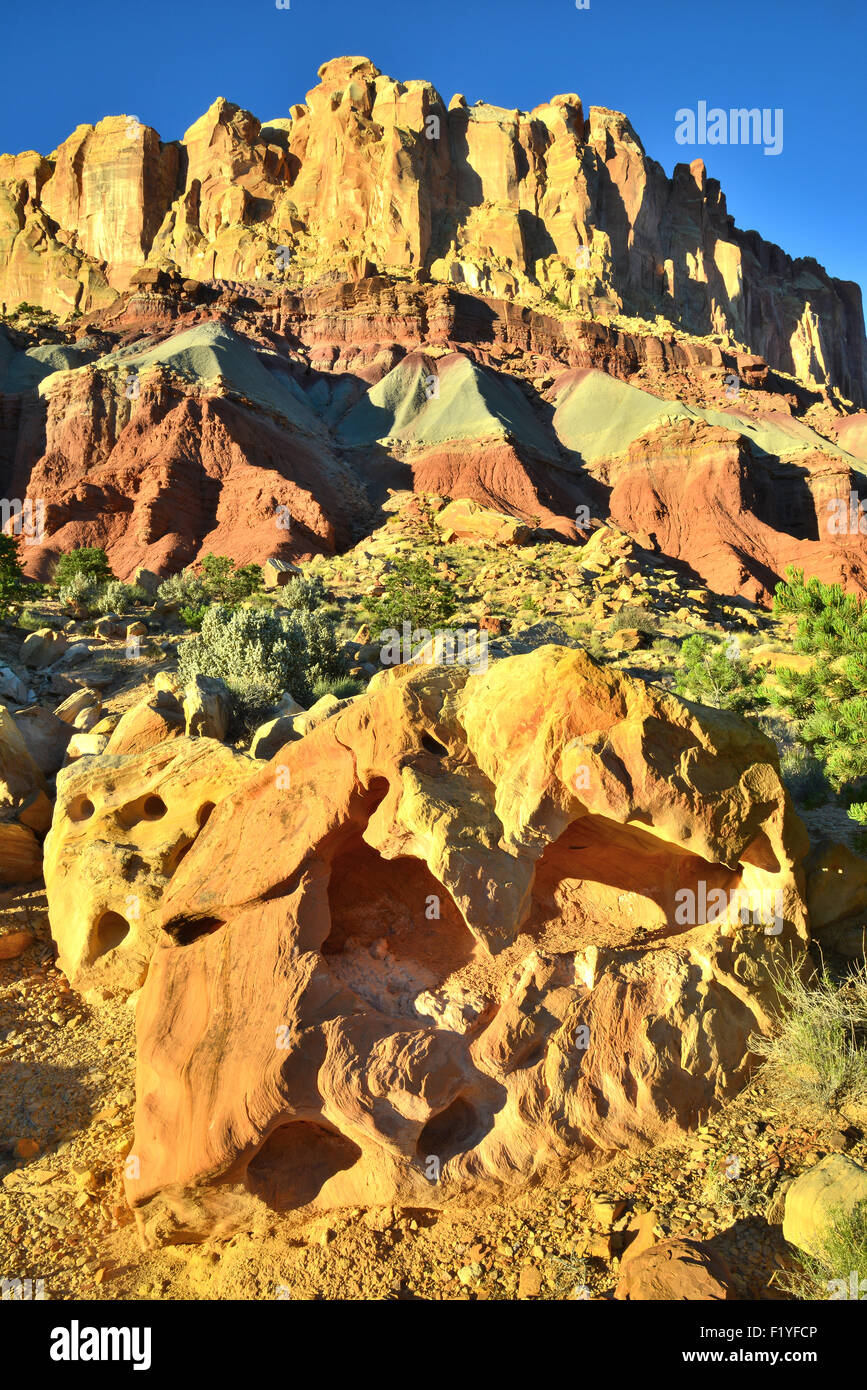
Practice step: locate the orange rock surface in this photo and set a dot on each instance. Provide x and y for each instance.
(442, 939)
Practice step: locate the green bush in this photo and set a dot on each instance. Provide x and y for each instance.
(193, 615)
(303, 592)
(827, 702)
(817, 1054)
(260, 655)
(98, 597)
(88, 560)
(413, 592)
(11, 574)
(226, 583)
(634, 617)
(81, 590)
(184, 588)
(219, 581)
(714, 674)
(116, 597)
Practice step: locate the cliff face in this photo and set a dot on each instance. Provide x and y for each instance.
(550, 205)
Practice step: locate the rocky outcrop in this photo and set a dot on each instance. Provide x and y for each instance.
(375, 173)
(468, 928)
(121, 826)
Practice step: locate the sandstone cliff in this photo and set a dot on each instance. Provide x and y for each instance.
(549, 205)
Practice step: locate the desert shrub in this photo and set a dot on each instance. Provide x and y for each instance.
(260, 655)
(325, 662)
(219, 581)
(731, 1186)
(827, 702)
(841, 1248)
(227, 583)
(184, 588)
(633, 617)
(116, 597)
(303, 592)
(193, 615)
(32, 311)
(713, 673)
(414, 592)
(80, 590)
(11, 574)
(817, 1055)
(343, 687)
(87, 560)
(29, 622)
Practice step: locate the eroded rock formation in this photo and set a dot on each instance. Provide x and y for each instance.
(464, 929)
(122, 824)
(375, 173)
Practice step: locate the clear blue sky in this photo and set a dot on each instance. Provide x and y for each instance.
(166, 60)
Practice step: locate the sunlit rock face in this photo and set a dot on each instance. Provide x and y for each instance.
(369, 170)
(470, 928)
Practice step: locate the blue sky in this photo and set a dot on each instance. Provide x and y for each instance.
(166, 60)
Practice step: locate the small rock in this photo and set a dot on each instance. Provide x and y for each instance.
(530, 1282)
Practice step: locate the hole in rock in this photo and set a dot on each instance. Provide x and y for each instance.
(452, 1131)
(203, 815)
(82, 808)
(434, 746)
(296, 1161)
(111, 930)
(148, 807)
(618, 884)
(185, 930)
(395, 931)
(179, 853)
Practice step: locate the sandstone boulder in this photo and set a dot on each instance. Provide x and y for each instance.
(20, 776)
(70, 708)
(46, 736)
(148, 581)
(465, 918)
(837, 897)
(269, 738)
(145, 725)
(207, 707)
(85, 745)
(12, 687)
(674, 1270)
(832, 1188)
(20, 854)
(43, 648)
(464, 520)
(121, 826)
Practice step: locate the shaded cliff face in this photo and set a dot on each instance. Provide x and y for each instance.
(546, 205)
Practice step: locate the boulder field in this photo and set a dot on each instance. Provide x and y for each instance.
(467, 930)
